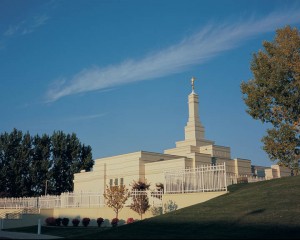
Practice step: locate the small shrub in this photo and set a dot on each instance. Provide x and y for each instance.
(156, 211)
(65, 221)
(100, 221)
(75, 222)
(170, 206)
(85, 221)
(50, 221)
(130, 220)
(58, 221)
(114, 222)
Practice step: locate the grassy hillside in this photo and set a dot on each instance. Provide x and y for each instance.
(266, 210)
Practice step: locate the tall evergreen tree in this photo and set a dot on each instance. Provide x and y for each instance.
(86, 161)
(29, 164)
(4, 164)
(58, 177)
(40, 164)
(13, 168)
(24, 159)
(69, 157)
(72, 158)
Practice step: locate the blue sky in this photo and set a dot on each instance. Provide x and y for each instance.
(117, 73)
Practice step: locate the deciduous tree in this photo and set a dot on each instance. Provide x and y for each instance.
(115, 197)
(140, 200)
(273, 95)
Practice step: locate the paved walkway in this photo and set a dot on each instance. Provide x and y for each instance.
(19, 235)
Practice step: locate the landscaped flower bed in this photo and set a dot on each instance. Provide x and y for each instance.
(85, 221)
(100, 221)
(114, 222)
(58, 221)
(65, 221)
(50, 221)
(130, 220)
(75, 222)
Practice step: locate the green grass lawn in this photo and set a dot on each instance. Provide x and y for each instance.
(262, 210)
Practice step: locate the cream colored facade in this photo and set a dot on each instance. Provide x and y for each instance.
(193, 151)
(277, 171)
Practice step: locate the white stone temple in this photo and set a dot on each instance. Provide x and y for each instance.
(192, 152)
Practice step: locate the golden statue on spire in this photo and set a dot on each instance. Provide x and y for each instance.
(193, 85)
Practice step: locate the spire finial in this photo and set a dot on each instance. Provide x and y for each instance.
(193, 86)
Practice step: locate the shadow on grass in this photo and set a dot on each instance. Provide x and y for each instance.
(164, 230)
(212, 230)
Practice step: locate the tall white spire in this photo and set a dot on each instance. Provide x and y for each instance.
(194, 129)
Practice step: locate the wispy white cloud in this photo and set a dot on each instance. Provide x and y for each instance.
(26, 26)
(35, 23)
(210, 41)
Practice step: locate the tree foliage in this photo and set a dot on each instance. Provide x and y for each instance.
(26, 163)
(115, 197)
(140, 200)
(273, 95)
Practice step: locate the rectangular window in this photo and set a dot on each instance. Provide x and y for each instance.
(116, 182)
(110, 182)
(121, 181)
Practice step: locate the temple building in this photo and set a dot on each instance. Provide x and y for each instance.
(194, 151)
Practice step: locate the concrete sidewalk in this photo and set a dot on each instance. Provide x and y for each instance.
(20, 235)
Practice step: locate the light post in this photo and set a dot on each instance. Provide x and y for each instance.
(46, 187)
